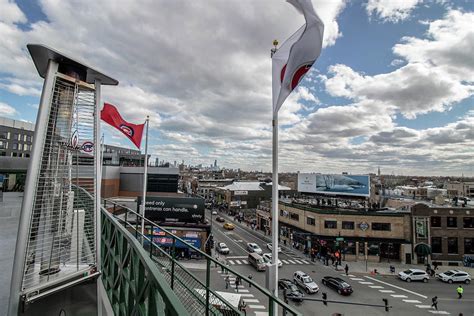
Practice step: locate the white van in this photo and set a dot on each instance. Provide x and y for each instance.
(257, 261)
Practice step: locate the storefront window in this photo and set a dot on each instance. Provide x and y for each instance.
(436, 245)
(350, 248)
(452, 245)
(373, 248)
(361, 249)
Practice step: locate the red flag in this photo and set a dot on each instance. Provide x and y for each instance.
(134, 132)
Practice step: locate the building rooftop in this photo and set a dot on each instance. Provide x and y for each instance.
(4, 121)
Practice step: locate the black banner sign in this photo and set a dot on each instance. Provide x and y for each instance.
(174, 209)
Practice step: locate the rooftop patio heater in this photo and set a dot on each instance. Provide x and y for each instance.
(57, 244)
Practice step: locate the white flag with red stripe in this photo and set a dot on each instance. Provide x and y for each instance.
(297, 54)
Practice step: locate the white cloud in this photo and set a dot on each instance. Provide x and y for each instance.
(7, 110)
(10, 12)
(391, 10)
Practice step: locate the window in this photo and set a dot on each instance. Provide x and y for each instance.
(452, 222)
(294, 216)
(15, 146)
(372, 248)
(3, 153)
(14, 154)
(350, 248)
(436, 245)
(468, 222)
(28, 138)
(3, 135)
(330, 224)
(2, 144)
(469, 245)
(435, 221)
(452, 245)
(381, 226)
(16, 136)
(310, 221)
(361, 248)
(347, 225)
(27, 155)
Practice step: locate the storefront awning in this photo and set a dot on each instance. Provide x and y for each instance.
(422, 249)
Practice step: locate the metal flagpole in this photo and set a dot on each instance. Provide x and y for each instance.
(145, 176)
(274, 230)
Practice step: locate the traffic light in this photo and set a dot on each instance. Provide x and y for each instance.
(325, 297)
(386, 304)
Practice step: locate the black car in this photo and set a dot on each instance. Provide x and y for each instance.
(220, 219)
(338, 284)
(292, 291)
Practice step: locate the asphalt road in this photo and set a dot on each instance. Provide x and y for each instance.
(405, 298)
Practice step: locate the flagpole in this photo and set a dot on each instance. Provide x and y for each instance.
(145, 176)
(274, 230)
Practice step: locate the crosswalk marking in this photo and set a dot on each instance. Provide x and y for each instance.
(245, 261)
(386, 291)
(423, 306)
(219, 271)
(439, 312)
(247, 295)
(261, 313)
(376, 286)
(291, 261)
(305, 262)
(243, 291)
(256, 306)
(412, 301)
(231, 262)
(284, 261)
(297, 261)
(237, 261)
(251, 300)
(398, 295)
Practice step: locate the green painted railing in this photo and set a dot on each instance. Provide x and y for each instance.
(197, 292)
(133, 282)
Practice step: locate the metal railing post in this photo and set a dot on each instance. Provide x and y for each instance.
(173, 258)
(270, 306)
(208, 282)
(151, 241)
(136, 226)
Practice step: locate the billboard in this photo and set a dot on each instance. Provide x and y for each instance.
(174, 209)
(334, 184)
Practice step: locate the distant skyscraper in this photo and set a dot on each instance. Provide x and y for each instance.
(379, 172)
(175, 163)
(215, 163)
(157, 162)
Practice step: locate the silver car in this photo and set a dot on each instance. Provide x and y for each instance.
(305, 281)
(454, 276)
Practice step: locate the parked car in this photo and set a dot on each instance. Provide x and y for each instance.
(414, 275)
(222, 248)
(338, 284)
(214, 212)
(253, 247)
(269, 246)
(267, 257)
(454, 276)
(292, 291)
(229, 226)
(220, 219)
(305, 281)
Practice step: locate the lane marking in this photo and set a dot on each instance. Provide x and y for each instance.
(256, 306)
(366, 282)
(412, 301)
(237, 261)
(423, 306)
(357, 279)
(386, 291)
(398, 296)
(236, 257)
(439, 312)
(376, 286)
(397, 287)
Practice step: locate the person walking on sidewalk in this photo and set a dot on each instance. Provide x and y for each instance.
(434, 301)
(237, 283)
(460, 290)
(346, 268)
(227, 282)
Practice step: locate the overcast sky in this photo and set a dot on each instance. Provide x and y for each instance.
(393, 87)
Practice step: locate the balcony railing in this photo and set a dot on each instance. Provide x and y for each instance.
(198, 294)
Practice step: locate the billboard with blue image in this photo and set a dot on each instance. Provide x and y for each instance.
(334, 184)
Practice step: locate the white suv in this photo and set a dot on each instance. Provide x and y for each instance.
(454, 276)
(253, 247)
(414, 275)
(305, 281)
